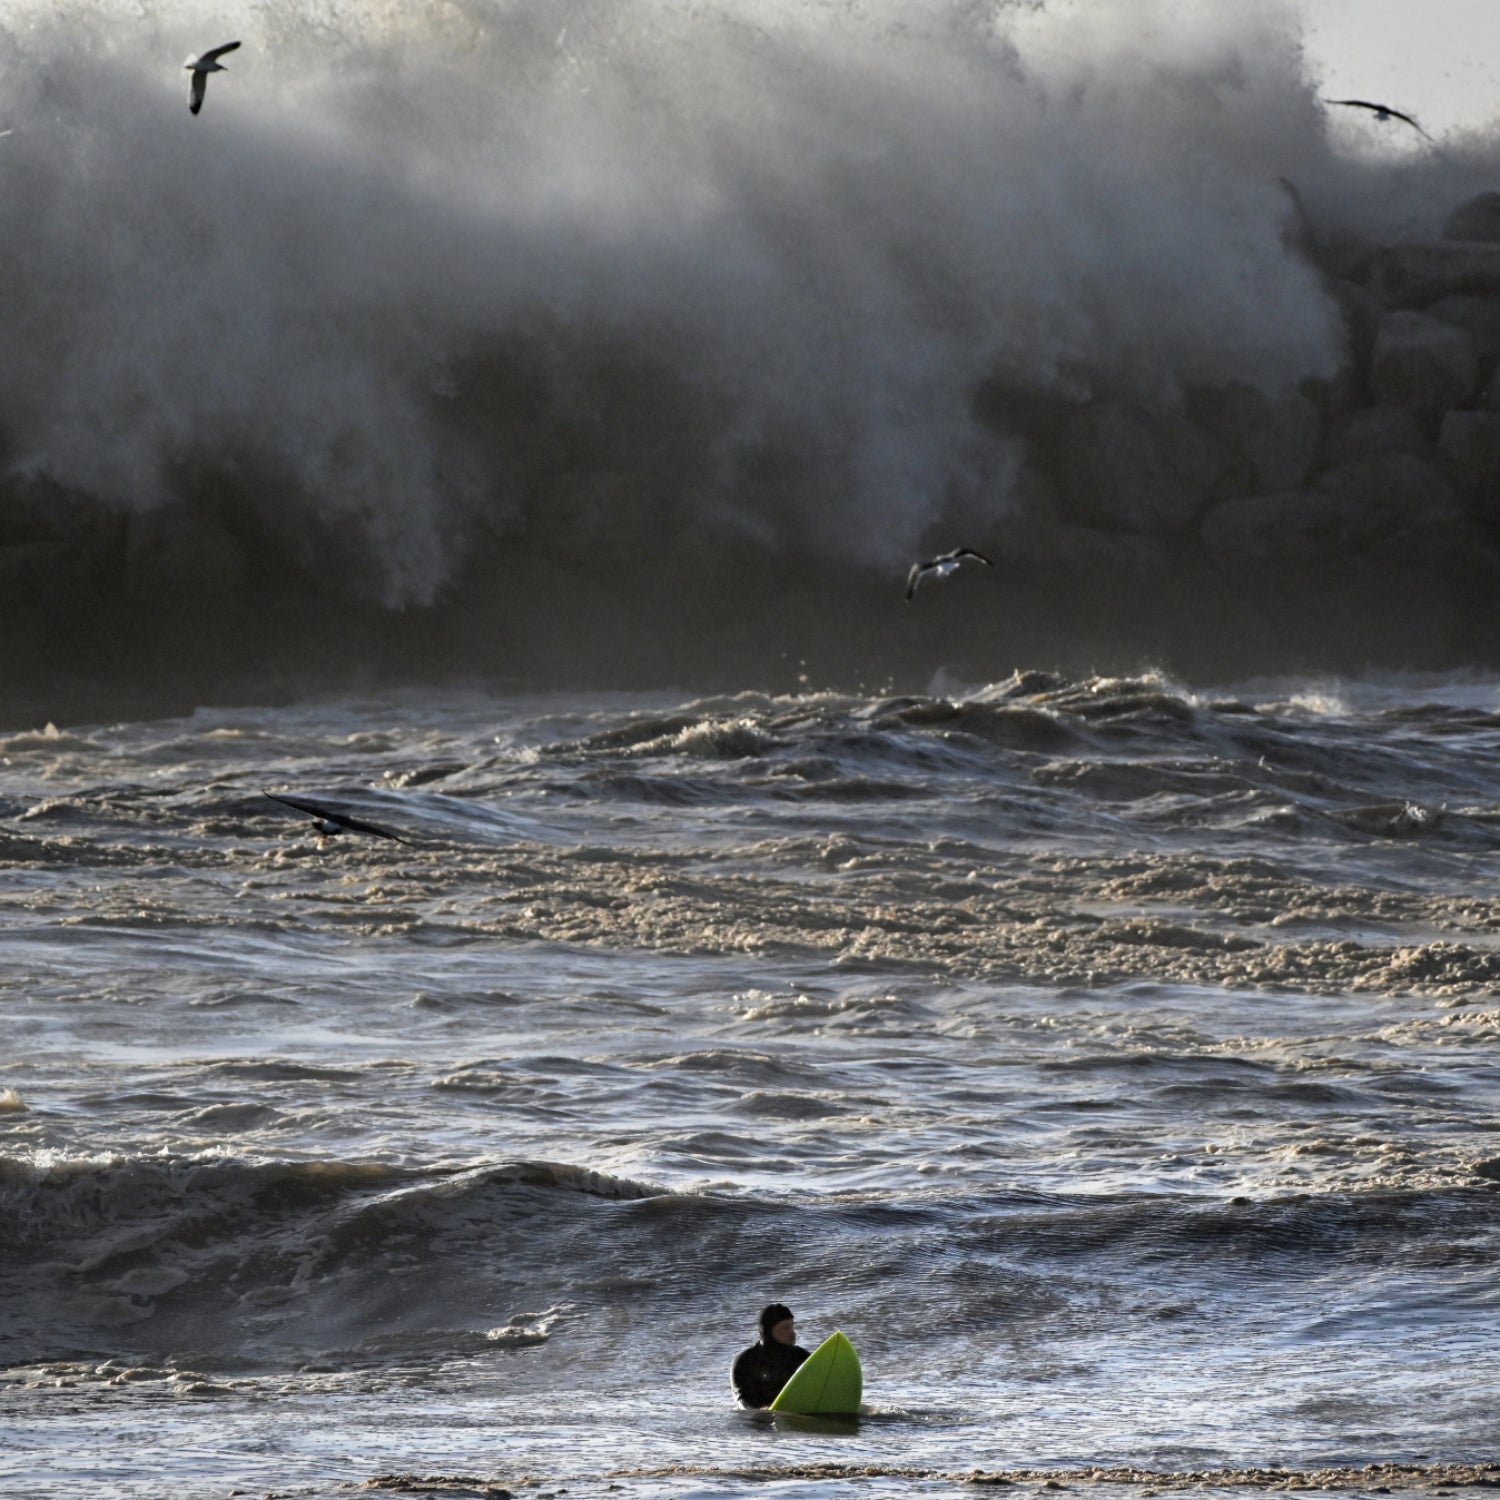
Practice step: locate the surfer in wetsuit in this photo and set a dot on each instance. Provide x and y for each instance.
(760, 1371)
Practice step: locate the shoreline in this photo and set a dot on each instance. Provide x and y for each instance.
(1375, 1478)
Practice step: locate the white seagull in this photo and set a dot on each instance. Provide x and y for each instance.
(200, 67)
(1381, 112)
(941, 567)
(329, 821)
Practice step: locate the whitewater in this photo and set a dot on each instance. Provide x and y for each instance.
(511, 425)
(590, 345)
(1114, 1064)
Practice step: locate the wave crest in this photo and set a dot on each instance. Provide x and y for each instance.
(427, 311)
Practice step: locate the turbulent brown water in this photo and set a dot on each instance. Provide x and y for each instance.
(1113, 1062)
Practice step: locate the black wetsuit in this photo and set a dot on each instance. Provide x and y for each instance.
(761, 1370)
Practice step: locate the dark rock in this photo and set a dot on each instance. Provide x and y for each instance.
(37, 572)
(1377, 558)
(56, 544)
(1373, 431)
(1468, 456)
(1476, 317)
(1274, 438)
(1127, 467)
(1390, 489)
(1362, 313)
(1418, 275)
(1422, 364)
(1478, 219)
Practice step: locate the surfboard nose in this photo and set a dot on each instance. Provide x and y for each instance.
(828, 1383)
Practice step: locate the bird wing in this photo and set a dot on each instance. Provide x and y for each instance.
(913, 578)
(977, 556)
(1380, 109)
(358, 825)
(333, 815)
(218, 52)
(195, 91)
(1396, 114)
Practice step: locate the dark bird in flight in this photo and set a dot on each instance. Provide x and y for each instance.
(200, 67)
(941, 567)
(1381, 112)
(329, 821)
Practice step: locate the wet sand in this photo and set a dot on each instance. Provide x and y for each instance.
(1375, 1479)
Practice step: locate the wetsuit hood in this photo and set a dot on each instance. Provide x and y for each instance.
(770, 1316)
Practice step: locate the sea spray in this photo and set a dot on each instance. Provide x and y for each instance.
(603, 342)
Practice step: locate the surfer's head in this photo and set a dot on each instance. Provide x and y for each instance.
(772, 1319)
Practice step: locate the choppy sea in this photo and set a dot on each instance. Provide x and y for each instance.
(1114, 1062)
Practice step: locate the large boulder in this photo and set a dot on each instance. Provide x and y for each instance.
(1273, 438)
(43, 572)
(1478, 319)
(1361, 312)
(1422, 364)
(1478, 219)
(1384, 503)
(1128, 467)
(1468, 455)
(1417, 275)
(1373, 430)
(56, 544)
(1375, 561)
(1388, 490)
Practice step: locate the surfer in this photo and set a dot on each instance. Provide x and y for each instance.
(760, 1371)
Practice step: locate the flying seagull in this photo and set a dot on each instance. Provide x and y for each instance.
(200, 67)
(941, 567)
(329, 821)
(1381, 112)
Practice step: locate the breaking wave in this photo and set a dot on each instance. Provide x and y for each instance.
(603, 342)
(239, 1262)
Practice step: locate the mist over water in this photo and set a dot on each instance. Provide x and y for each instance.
(581, 339)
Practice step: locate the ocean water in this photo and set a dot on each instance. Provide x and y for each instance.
(1115, 1063)
(512, 424)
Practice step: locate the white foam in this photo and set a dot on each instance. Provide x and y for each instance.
(426, 275)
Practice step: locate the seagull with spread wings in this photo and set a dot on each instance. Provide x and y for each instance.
(330, 821)
(200, 67)
(941, 567)
(1381, 112)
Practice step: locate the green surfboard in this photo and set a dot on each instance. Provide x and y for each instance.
(829, 1382)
